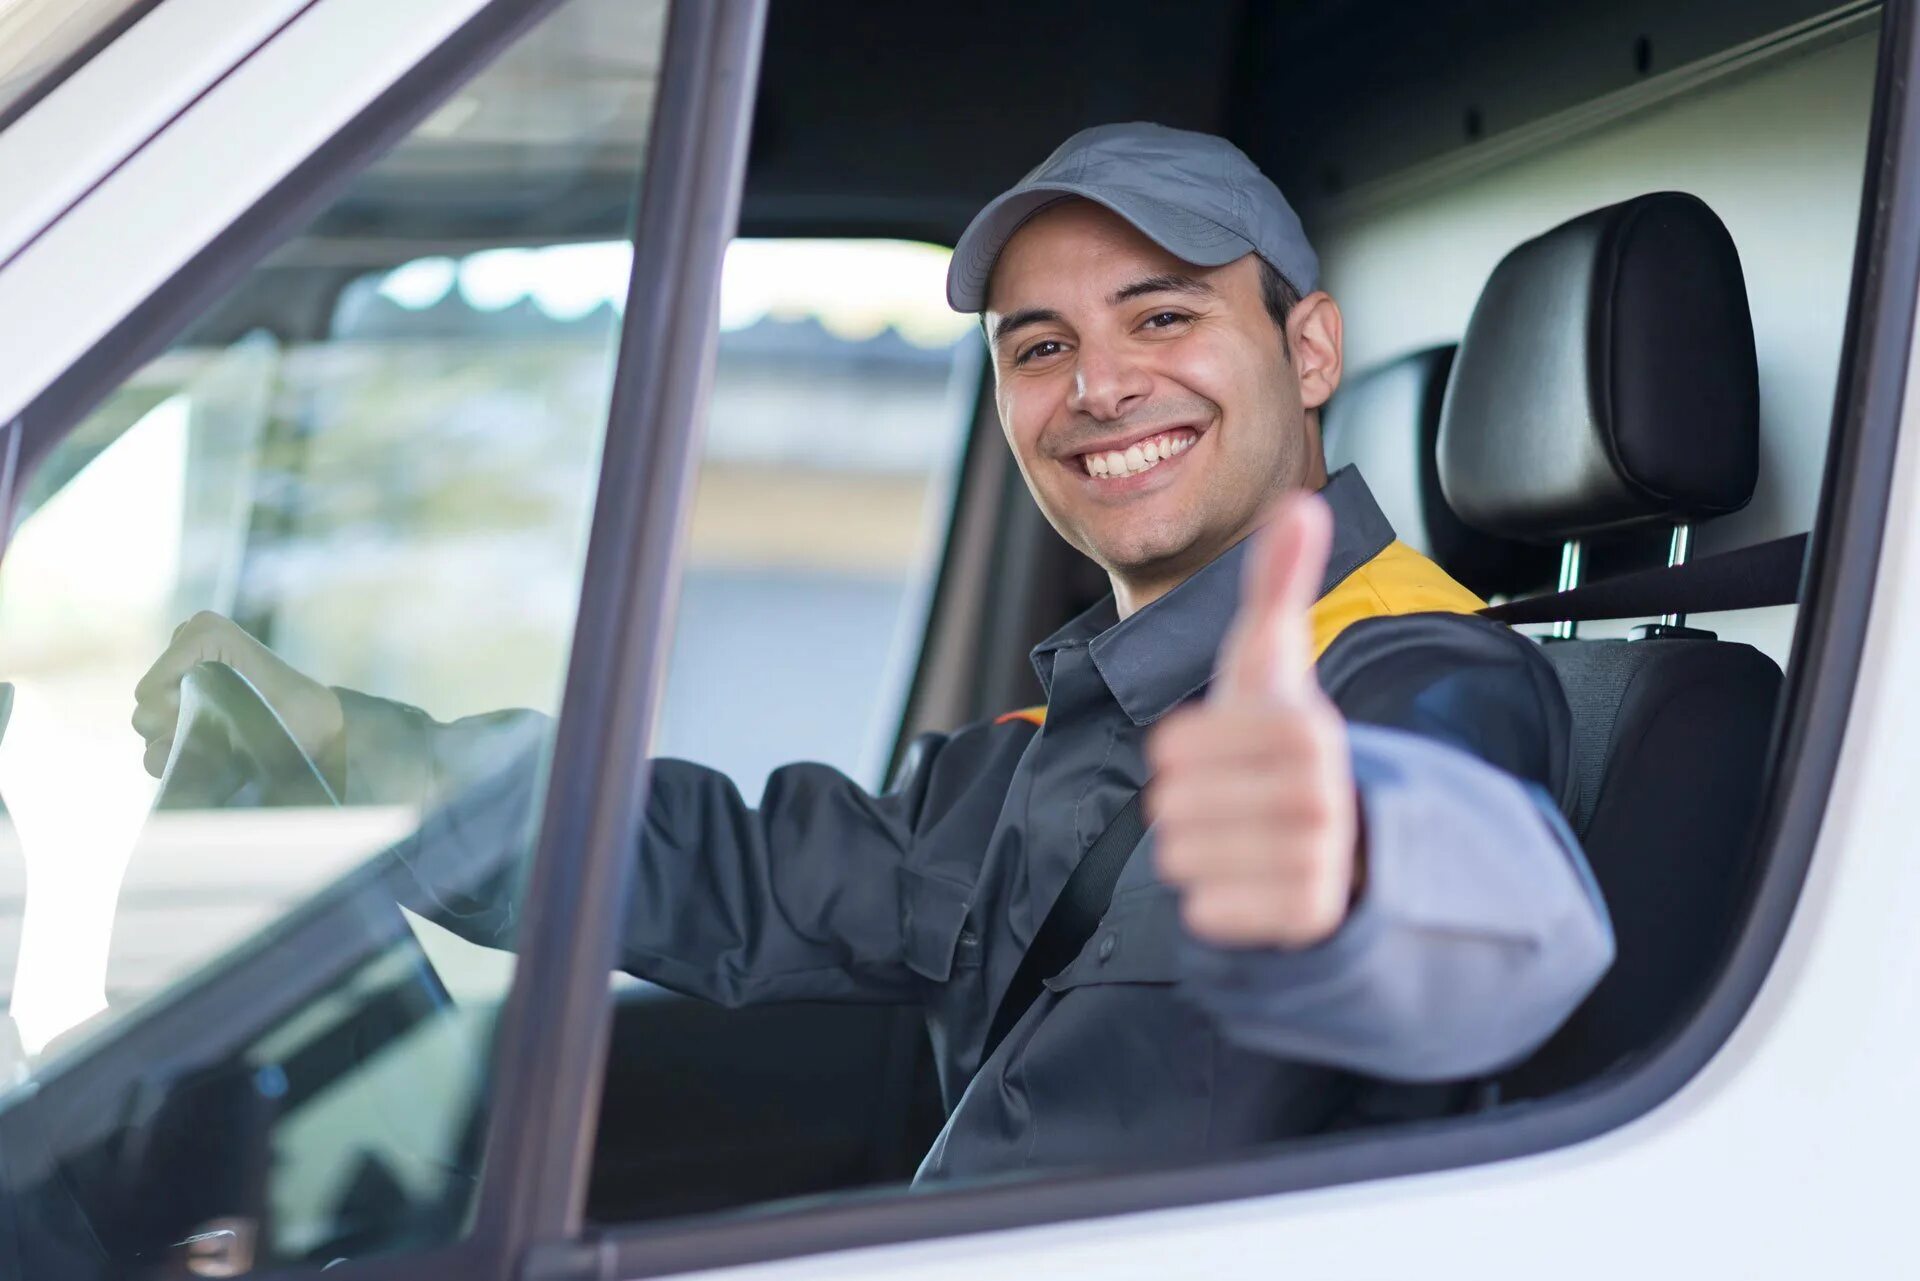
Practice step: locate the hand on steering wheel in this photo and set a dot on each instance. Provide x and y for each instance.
(230, 750)
(308, 712)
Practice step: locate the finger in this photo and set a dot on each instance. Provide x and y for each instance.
(156, 717)
(1269, 657)
(155, 758)
(173, 663)
(1226, 737)
(1294, 856)
(1204, 802)
(1260, 914)
(203, 637)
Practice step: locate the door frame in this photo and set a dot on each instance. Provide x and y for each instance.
(83, 304)
(541, 1143)
(82, 119)
(1831, 632)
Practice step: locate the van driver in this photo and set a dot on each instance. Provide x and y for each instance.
(1355, 894)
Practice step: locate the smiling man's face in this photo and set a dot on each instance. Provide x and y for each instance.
(1152, 405)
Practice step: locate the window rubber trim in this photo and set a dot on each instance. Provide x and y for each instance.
(545, 1093)
(1829, 635)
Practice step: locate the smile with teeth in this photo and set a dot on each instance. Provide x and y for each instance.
(1141, 455)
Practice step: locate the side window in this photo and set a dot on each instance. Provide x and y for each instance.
(241, 1033)
(840, 401)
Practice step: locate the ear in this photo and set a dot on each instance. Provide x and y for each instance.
(1313, 332)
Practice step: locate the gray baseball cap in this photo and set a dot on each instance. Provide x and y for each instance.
(1196, 196)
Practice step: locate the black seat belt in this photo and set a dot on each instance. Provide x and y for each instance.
(1747, 578)
(1071, 920)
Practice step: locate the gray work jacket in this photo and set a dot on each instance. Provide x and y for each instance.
(1478, 932)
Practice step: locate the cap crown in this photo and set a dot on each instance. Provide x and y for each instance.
(1195, 195)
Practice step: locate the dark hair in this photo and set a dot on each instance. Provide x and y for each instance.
(1279, 295)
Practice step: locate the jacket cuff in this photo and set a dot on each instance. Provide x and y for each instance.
(1478, 931)
(387, 750)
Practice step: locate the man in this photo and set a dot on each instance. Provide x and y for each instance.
(1357, 896)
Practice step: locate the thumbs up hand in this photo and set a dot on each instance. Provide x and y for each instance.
(1252, 796)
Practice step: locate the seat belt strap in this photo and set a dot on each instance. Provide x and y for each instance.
(1747, 578)
(1071, 920)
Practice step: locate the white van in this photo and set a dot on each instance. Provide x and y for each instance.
(591, 356)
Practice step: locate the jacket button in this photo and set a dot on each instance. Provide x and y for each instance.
(1106, 948)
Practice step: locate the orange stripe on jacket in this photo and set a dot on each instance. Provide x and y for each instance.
(1399, 580)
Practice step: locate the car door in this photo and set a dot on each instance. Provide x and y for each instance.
(337, 1085)
(246, 1041)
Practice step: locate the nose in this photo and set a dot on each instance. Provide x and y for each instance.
(1107, 383)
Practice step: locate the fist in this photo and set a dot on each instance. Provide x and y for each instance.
(310, 711)
(1252, 800)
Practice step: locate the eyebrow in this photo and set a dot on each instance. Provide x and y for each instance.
(1170, 282)
(1022, 319)
(1162, 284)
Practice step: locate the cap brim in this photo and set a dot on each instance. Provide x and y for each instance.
(1187, 236)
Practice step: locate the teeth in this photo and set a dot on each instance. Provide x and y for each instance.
(1137, 458)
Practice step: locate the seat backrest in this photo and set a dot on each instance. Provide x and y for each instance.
(1607, 381)
(1671, 741)
(1386, 421)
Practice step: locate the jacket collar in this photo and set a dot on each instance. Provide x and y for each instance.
(1165, 653)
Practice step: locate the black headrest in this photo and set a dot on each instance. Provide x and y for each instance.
(1386, 421)
(1606, 379)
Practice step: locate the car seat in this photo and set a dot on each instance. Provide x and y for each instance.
(1607, 382)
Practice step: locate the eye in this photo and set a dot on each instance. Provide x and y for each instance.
(1164, 320)
(1039, 351)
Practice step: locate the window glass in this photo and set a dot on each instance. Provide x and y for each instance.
(842, 392)
(237, 1030)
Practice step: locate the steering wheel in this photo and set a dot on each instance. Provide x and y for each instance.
(232, 751)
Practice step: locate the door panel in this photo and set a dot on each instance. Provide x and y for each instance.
(711, 1109)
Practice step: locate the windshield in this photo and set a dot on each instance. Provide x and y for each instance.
(287, 1045)
(37, 36)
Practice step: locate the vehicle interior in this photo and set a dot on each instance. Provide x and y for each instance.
(1594, 260)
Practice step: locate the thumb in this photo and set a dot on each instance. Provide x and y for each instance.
(1268, 656)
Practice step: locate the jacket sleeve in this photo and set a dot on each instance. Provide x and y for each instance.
(799, 898)
(1480, 927)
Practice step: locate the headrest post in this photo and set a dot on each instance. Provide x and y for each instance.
(1677, 553)
(1573, 557)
